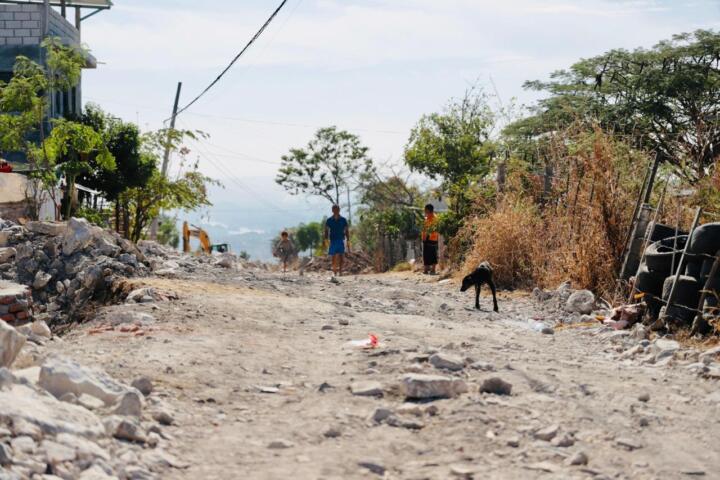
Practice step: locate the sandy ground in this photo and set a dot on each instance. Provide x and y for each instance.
(248, 359)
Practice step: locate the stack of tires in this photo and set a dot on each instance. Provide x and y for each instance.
(656, 274)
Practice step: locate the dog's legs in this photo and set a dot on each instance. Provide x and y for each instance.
(492, 287)
(477, 296)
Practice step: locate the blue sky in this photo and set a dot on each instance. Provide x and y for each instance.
(370, 66)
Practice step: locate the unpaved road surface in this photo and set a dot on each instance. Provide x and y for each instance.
(252, 361)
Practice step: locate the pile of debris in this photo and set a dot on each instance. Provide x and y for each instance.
(355, 263)
(566, 305)
(62, 419)
(69, 266)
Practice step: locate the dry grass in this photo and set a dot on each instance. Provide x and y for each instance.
(573, 231)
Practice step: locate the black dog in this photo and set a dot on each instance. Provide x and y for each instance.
(482, 274)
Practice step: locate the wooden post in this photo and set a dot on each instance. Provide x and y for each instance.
(166, 156)
(700, 318)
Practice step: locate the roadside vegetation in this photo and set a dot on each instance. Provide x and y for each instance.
(94, 148)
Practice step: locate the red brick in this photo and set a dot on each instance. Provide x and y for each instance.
(7, 300)
(17, 307)
(22, 315)
(8, 317)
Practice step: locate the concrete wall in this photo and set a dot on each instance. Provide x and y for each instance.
(21, 24)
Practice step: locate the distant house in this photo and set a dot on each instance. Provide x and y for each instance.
(24, 24)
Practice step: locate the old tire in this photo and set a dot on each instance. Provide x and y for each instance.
(650, 282)
(661, 232)
(687, 294)
(659, 255)
(705, 239)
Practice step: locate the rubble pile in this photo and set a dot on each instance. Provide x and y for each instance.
(564, 305)
(67, 265)
(168, 262)
(60, 418)
(355, 263)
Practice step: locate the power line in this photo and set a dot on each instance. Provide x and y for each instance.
(237, 57)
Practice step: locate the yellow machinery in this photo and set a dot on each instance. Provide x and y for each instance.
(200, 234)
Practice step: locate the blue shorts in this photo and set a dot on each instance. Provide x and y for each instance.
(337, 247)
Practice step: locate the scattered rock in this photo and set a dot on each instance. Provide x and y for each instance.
(125, 428)
(41, 280)
(381, 414)
(130, 404)
(547, 433)
(483, 366)
(143, 384)
(420, 386)
(280, 444)
(446, 361)
(578, 458)
(581, 301)
(60, 375)
(41, 329)
(10, 344)
(51, 229)
(628, 443)
(563, 441)
(644, 397)
(496, 386)
(375, 467)
(367, 389)
(163, 417)
(6, 254)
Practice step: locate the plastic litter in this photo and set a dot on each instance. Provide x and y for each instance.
(371, 342)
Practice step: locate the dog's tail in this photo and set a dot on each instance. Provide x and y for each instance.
(486, 266)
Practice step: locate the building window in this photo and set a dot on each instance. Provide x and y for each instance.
(73, 100)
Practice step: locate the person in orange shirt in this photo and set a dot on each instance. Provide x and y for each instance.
(430, 241)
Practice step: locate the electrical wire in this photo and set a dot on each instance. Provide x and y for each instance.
(237, 57)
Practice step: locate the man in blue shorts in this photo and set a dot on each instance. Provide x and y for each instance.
(337, 231)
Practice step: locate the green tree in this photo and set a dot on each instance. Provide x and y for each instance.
(24, 111)
(454, 146)
(665, 99)
(134, 167)
(308, 236)
(168, 233)
(71, 145)
(144, 203)
(333, 163)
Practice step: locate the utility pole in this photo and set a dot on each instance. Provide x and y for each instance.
(166, 156)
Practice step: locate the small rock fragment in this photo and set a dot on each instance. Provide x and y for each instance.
(375, 467)
(367, 389)
(280, 444)
(143, 384)
(579, 458)
(446, 361)
(547, 433)
(496, 386)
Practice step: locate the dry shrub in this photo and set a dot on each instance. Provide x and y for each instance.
(507, 238)
(573, 231)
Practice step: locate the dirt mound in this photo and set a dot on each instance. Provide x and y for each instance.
(355, 263)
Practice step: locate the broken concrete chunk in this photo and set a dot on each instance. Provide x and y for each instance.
(10, 344)
(420, 386)
(41, 329)
(367, 389)
(6, 254)
(124, 428)
(60, 375)
(52, 229)
(78, 235)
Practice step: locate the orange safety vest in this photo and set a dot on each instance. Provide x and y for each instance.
(427, 234)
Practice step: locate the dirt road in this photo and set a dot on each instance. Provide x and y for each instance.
(257, 369)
